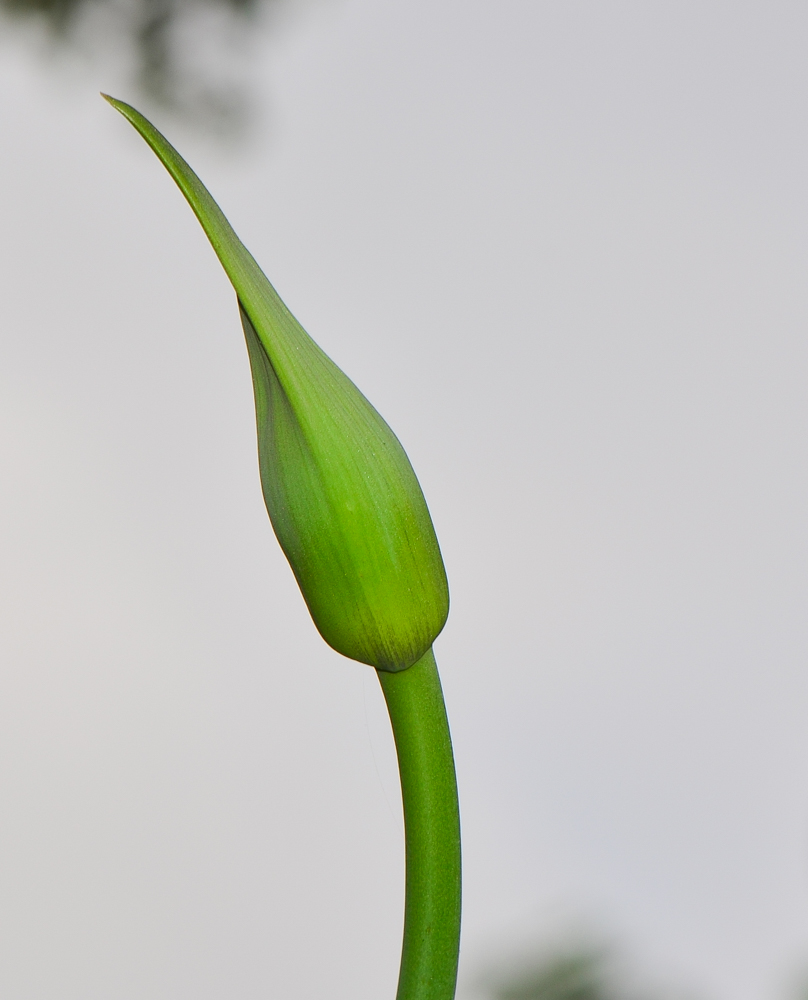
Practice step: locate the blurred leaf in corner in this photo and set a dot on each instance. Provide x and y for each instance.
(575, 972)
(572, 975)
(186, 56)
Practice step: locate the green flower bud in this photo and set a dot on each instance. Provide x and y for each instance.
(341, 494)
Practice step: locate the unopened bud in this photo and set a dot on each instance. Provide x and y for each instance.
(341, 494)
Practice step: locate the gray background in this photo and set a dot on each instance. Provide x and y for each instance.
(563, 248)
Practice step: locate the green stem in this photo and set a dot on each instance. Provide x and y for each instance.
(432, 831)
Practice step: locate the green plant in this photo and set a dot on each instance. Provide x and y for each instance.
(351, 519)
(580, 974)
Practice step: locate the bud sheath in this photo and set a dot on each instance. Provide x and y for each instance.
(341, 494)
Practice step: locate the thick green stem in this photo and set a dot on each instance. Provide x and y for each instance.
(432, 831)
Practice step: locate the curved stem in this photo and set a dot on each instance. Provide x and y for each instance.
(432, 831)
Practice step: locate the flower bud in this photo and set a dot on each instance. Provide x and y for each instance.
(341, 494)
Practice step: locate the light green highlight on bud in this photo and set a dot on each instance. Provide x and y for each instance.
(341, 494)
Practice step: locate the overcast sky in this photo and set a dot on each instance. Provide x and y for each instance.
(562, 247)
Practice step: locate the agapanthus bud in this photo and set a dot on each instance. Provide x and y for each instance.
(341, 494)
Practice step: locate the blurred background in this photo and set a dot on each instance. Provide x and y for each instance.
(562, 247)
